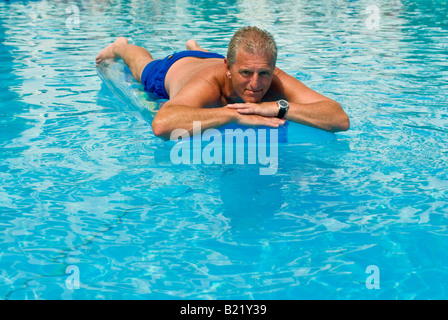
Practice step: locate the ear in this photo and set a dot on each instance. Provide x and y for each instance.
(226, 63)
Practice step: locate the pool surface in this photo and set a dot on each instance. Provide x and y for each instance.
(91, 207)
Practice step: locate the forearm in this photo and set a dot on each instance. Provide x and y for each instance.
(174, 117)
(326, 115)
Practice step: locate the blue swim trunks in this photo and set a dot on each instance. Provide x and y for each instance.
(153, 76)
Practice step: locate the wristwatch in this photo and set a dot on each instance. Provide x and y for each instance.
(283, 107)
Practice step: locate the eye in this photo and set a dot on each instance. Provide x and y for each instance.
(245, 73)
(265, 73)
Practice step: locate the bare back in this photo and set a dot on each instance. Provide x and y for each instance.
(187, 69)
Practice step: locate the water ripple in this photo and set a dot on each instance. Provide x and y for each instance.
(85, 182)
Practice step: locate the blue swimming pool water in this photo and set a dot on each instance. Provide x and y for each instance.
(84, 182)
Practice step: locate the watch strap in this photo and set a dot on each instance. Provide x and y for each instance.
(282, 109)
(281, 113)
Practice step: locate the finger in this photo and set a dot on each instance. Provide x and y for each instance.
(236, 106)
(270, 122)
(281, 121)
(277, 122)
(272, 125)
(274, 120)
(245, 111)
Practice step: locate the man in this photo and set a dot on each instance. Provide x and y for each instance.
(244, 88)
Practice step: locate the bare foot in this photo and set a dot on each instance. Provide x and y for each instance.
(193, 45)
(110, 52)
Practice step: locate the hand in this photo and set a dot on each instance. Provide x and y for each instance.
(257, 120)
(265, 109)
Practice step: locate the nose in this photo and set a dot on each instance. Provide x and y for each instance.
(255, 81)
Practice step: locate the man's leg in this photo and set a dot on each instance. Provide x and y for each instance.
(136, 58)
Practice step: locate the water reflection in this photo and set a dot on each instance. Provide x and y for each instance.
(223, 230)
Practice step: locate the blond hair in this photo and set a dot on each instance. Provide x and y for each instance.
(252, 40)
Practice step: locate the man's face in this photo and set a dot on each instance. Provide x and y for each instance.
(251, 75)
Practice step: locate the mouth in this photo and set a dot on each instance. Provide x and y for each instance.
(253, 95)
(254, 91)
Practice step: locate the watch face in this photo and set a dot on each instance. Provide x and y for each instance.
(283, 104)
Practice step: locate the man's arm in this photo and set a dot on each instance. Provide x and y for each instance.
(192, 104)
(305, 105)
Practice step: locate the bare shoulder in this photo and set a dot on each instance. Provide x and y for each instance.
(293, 89)
(201, 89)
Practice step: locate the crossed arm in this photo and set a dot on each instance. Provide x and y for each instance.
(306, 107)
